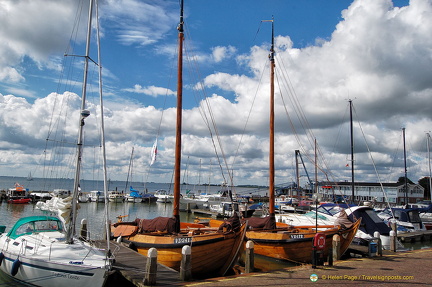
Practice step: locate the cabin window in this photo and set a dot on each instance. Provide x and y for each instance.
(414, 216)
(26, 228)
(397, 214)
(373, 215)
(47, 225)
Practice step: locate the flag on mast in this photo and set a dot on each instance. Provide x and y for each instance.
(153, 153)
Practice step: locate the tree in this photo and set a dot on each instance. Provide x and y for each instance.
(402, 180)
(424, 182)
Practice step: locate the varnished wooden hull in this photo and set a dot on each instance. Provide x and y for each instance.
(298, 246)
(213, 253)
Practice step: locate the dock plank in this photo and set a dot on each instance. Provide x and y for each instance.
(131, 266)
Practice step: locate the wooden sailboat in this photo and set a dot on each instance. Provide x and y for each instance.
(282, 241)
(213, 250)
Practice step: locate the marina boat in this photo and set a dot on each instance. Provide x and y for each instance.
(84, 196)
(133, 196)
(282, 241)
(35, 251)
(40, 195)
(213, 250)
(17, 195)
(45, 250)
(97, 196)
(294, 243)
(163, 196)
(328, 213)
(61, 193)
(115, 196)
(407, 219)
(148, 198)
(229, 208)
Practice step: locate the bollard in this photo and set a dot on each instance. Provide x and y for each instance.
(250, 261)
(379, 243)
(186, 264)
(336, 247)
(151, 268)
(330, 257)
(393, 240)
(393, 226)
(83, 231)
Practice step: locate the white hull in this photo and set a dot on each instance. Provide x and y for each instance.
(116, 199)
(44, 257)
(163, 199)
(96, 199)
(41, 272)
(133, 199)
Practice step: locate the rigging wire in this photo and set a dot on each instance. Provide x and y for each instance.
(209, 119)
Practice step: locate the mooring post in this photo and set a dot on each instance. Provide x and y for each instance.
(330, 257)
(250, 261)
(83, 232)
(393, 226)
(393, 240)
(151, 268)
(379, 243)
(336, 247)
(186, 264)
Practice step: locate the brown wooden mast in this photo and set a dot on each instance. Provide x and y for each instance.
(176, 207)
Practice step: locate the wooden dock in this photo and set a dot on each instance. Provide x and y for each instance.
(129, 269)
(418, 236)
(207, 212)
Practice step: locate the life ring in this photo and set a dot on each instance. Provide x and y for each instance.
(1, 258)
(15, 266)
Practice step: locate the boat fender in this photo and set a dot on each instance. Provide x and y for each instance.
(15, 266)
(1, 258)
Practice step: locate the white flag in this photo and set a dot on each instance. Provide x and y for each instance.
(153, 153)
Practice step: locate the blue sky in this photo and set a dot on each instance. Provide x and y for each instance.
(372, 51)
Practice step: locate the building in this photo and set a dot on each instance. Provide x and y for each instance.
(393, 193)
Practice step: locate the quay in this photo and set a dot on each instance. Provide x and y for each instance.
(402, 268)
(408, 268)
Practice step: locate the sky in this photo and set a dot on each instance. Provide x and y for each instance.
(377, 53)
